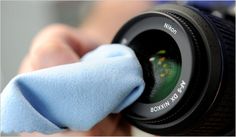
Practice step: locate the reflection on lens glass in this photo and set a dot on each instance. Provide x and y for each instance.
(160, 58)
(166, 72)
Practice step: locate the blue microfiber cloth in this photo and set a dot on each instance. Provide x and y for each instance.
(74, 96)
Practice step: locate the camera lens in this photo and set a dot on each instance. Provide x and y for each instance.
(188, 66)
(165, 62)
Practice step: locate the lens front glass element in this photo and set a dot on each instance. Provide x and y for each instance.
(160, 58)
(166, 73)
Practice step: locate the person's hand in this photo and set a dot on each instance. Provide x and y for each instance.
(60, 44)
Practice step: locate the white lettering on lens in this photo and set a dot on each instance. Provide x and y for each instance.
(179, 91)
(182, 86)
(160, 107)
(170, 28)
(174, 97)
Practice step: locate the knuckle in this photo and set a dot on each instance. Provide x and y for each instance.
(48, 44)
(41, 54)
(56, 29)
(44, 47)
(49, 38)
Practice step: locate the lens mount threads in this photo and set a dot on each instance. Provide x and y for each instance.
(196, 44)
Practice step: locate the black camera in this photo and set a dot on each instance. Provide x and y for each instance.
(188, 61)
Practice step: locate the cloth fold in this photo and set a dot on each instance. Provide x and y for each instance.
(73, 96)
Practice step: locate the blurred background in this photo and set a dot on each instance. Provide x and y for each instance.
(22, 20)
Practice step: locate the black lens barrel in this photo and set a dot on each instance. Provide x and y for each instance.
(205, 102)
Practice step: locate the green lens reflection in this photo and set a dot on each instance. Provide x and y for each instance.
(166, 71)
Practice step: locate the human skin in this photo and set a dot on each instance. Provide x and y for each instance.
(60, 44)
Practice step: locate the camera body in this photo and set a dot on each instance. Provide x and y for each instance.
(188, 65)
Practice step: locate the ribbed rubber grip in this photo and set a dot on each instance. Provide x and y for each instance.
(220, 119)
